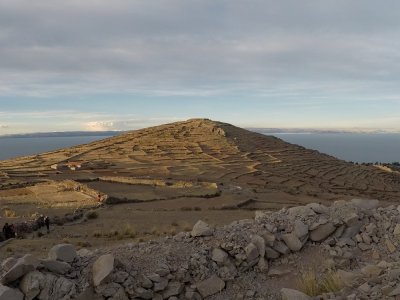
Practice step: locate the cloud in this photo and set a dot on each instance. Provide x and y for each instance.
(127, 124)
(69, 47)
(4, 126)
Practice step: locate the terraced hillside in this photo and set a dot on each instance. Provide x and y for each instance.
(201, 150)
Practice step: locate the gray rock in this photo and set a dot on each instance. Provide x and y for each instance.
(121, 276)
(351, 219)
(300, 229)
(174, 288)
(201, 229)
(8, 263)
(23, 266)
(63, 252)
(160, 285)
(84, 252)
(352, 230)
(210, 286)
(260, 244)
(395, 292)
(281, 247)
(7, 293)
(57, 288)
(322, 232)
(292, 241)
(263, 265)
(56, 266)
(289, 294)
(219, 256)
(251, 252)
(269, 238)
(102, 269)
(31, 284)
(300, 211)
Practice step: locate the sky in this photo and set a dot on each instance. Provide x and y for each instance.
(127, 64)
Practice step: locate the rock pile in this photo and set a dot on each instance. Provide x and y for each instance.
(248, 259)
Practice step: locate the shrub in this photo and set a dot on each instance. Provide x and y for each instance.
(92, 215)
(9, 213)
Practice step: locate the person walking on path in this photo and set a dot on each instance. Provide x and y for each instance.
(47, 222)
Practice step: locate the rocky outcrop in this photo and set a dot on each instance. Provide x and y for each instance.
(360, 241)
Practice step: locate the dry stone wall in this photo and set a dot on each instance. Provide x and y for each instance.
(213, 263)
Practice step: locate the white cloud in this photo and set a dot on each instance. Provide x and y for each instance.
(127, 124)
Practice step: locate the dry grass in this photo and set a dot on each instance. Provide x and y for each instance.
(331, 282)
(308, 283)
(9, 213)
(313, 285)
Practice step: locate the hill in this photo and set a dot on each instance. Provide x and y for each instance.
(201, 150)
(131, 206)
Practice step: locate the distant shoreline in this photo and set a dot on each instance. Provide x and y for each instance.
(62, 134)
(269, 131)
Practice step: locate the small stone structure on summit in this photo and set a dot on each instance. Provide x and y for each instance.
(248, 259)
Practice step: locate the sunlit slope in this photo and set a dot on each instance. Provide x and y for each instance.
(204, 150)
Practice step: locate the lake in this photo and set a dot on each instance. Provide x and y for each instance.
(20, 146)
(346, 146)
(364, 147)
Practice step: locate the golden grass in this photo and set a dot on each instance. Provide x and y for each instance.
(9, 213)
(313, 285)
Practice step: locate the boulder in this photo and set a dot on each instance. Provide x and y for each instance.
(210, 286)
(63, 252)
(56, 266)
(292, 241)
(281, 247)
(7, 293)
(289, 294)
(57, 288)
(219, 256)
(102, 269)
(322, 232)
(352, 230)
(23, 266)
(31, 284)
(300, 229)
(251, 252)
(8, 263)
(201, 229)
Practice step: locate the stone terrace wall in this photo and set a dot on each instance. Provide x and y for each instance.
(209, 262)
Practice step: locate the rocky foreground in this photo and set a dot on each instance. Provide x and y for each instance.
(264, 258)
